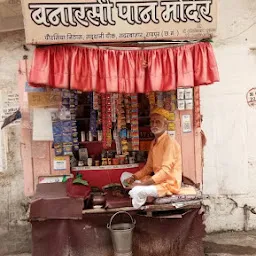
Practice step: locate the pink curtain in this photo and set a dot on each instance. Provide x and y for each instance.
(129, 71)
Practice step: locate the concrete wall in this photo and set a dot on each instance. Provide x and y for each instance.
(229, 123)
(230, 155)
(14, 229)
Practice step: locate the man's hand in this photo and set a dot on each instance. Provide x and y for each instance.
(128, 182)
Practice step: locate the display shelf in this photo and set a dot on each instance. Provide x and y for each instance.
(100, 142)
(105, 167)
(90, 142)
(193, 204)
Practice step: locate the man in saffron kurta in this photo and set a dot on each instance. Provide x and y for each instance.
(164, 162)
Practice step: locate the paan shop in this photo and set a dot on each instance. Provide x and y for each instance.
(86, 120)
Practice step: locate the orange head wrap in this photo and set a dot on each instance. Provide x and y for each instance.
(164, 113)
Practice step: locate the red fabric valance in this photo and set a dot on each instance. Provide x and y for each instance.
(129, 71)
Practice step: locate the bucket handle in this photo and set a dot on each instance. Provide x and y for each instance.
(120, 212)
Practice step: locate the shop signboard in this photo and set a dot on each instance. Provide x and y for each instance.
(87, 21)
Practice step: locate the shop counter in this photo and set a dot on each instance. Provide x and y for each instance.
(99, 176)
(60, 227)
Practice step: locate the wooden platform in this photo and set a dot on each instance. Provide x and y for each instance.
(193, 204)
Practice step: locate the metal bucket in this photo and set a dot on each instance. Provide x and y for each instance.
(121, 235)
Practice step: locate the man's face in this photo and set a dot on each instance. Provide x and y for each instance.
(158, 124)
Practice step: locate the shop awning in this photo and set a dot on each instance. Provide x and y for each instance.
(124, 70)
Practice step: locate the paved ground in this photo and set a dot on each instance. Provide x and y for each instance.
(23, 254)
(223, 244)
(234, 243)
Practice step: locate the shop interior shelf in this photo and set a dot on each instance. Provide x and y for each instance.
(100, 142)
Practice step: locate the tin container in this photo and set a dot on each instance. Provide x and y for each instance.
(82, 136)
(99, 135)
(80, 163)
(121, 159)
(104, 161)
(131, 160)
(89, 161)
(115, 161)
(90, 137)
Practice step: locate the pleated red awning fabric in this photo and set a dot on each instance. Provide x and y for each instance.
(124, 71)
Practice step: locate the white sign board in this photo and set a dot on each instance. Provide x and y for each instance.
(186, 124)
(60, 164)
(76, 21)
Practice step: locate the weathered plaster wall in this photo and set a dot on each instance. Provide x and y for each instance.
(14, 230)
(229, 124)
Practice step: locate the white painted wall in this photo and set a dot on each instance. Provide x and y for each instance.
(229, 124)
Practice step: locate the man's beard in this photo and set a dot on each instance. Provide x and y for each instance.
(157, 131)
